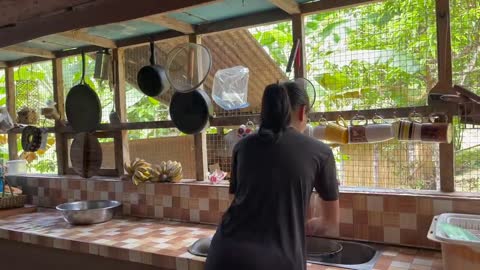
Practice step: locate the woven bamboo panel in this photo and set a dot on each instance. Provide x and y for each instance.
(357, 171)
(239, 47)
(390, 165)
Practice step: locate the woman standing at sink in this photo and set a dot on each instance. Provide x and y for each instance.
(273, 175)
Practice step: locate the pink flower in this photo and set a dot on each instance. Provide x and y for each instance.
(217, 176)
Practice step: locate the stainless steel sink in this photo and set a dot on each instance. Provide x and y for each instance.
(352, 256)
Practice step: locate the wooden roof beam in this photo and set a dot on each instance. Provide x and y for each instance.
(84, 37)
(170, 23)
(289, 6)
(29, 51)
(91, 13)
(322, 6)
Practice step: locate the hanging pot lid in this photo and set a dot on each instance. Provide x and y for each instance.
(188, 66)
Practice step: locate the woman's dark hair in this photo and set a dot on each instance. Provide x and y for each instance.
(277, 103)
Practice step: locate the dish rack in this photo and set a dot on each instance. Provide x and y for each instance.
(470, 223)
(458, 253)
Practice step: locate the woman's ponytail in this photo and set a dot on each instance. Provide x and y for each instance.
(275, 114)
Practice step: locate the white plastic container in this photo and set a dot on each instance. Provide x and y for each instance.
(16, 167)
(457, 254)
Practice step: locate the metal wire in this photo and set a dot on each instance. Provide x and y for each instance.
(372, 56)
(466, 72)
(3, 137)
(33, 88)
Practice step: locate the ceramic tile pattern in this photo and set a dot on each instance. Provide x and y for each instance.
(396, 219)
(159, 243)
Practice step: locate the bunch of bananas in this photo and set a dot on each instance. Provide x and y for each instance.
(170, 171)
(141, 171)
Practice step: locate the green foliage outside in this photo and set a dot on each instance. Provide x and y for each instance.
(384, 55)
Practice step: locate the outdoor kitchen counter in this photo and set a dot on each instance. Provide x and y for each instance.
(158, 243)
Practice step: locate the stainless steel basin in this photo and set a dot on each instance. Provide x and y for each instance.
(88, 212)
(350, 255)
(353, 255)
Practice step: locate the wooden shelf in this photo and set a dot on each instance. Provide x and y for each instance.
(239, 120)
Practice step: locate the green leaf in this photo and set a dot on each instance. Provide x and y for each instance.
(330, 28)
(335, 81)
(153, 101)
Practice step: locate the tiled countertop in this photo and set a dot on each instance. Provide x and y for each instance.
(159, 243)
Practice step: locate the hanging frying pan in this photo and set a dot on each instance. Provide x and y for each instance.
(86, 155)
(188, 66)
(190, 111)
(152, 79)
(83, 108)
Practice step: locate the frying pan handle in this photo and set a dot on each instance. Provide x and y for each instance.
(152, 53)
(293, 55)
(191, 65)
(83, 68)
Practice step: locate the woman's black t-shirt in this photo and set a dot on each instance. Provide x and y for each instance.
(272, 183)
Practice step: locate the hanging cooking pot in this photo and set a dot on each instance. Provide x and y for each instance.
(82, 106)
(152, 79)
(190, 111)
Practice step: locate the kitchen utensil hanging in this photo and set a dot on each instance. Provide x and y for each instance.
(114, 117)
(31, 138)
(82, 106)
(304, 83)
(190, 112)
(86, 155)
(307, 85)
(188, 66)
(152, 79)
(293, 56)
(103, 61)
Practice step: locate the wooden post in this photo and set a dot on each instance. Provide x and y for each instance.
(298, 33)
(10, 87)
(445, 85)
(200, 139)
(444, 48)
(59, 98)
(447, 166)
(121, 149)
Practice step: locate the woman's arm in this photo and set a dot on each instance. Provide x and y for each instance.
(324, 222)
(326, 208)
